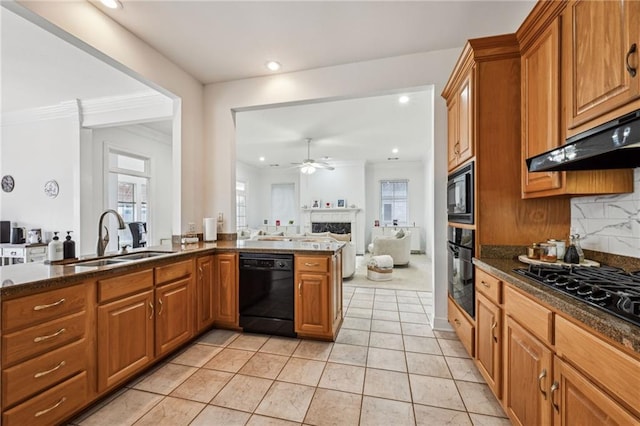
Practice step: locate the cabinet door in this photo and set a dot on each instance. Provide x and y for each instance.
(465, 119)
(312, 304)
(125, 338)
(579, 402)
(452, 133)
(528, 373)
(598, 37)
(488, 342)
(540, 106)
(226, 289)
(336, 290)
(204, 292)
(173, 315)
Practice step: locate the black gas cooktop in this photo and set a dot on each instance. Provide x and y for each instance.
(610, 289)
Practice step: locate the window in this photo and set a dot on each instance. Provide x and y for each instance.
(393, 202)
(241, 205)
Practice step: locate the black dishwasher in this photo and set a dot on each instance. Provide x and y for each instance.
(266, 293)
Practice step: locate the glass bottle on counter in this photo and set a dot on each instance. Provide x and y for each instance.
(576, 240)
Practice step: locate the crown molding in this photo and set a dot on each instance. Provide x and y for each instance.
(65, 109)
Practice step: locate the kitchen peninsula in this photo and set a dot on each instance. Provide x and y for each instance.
(73, 333)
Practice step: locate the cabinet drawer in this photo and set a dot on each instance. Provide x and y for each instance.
(312, 263)
(489, 285)
(13, 252)
(534, 317)
(38, 251)
(38, 339)
(42, 307)
(116, 287)
(174, 271)
(31, 377)
(50, 407)
(612, 368)
(463, 327)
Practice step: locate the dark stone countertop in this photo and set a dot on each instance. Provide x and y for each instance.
(28, 278)
(618, 330)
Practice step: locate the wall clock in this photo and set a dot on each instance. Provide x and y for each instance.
(51, 189)
(7, 183)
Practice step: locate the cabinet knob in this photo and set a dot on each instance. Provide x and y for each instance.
(151, 307)
(632, 50)
(300, 288)
(493, 331)
(485, 284)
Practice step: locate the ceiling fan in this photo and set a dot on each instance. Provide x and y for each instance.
(309, 165)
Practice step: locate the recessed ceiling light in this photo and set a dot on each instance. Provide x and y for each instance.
(261, 158)
(273, 65)
(394, 150)
(112, 4)
(403, 99)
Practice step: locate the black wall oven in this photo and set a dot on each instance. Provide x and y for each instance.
(460, 195)
(460, 247)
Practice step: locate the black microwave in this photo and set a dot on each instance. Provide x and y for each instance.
(460, 195)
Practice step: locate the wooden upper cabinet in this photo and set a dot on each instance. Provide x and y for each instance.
(598, 37)
(460, 122)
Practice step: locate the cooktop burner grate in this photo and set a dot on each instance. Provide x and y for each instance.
(609, 289)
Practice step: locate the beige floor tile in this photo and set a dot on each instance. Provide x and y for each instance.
(478, 398)
(414, 318)
(427, 365)
(425, 345)
(94, 408)
(171, 412)
(349, 354)
(347, 378)
(242, 393)
(407, 293)
(358, 312)
(280, 345)
(386, 359)
(313, 350)
(430, 416)
(376, 411)
(218, 337)
(413, 300)
(213, 415)
(385, 291)
(360, 296)
(203, 385)
(453, 348)
(385, 306)
(386, 341)
(196, 355)
(330, 407)
(126, 409)
(365, 290)
(302, 371)
(365, 304)
(421, 330)
(257, 420)
(287, 401)
(230, 360)
(387, 384)
(408, 307)
(379, 314)
(482, 420)
(357, 323)
(264, 365)
(464, 369)
(435, 391)
(353, 337)
(165, 379)
(249, 342)
(385, 298)
(384, 326)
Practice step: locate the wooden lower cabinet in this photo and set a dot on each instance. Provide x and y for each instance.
(226, 290)
(125, 338)
(463, 326)
(489, 342)
(578, 402)
(205, 301)
(173, 317)
(528, 370)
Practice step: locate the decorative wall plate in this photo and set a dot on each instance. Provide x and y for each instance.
(7, 183)
(51, 189)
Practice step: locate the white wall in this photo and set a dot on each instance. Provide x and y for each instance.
(413, 171)
(611, 223)
(350, 80)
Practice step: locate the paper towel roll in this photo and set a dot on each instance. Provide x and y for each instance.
(209, 229)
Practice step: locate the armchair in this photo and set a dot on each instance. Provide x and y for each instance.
(398, 248)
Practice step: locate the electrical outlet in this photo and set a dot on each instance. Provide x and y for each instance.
(191, 227)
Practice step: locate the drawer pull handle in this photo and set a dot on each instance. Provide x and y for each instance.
(160, 310)
(554, 387)
(457, 321)
(630, 70)
(542, 375)
(56, 405)
(151, 306)
(309, 264)
(51, 305)
(485, 284)
(44, 373)
(50, 336)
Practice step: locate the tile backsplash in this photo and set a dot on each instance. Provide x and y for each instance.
(609, 223)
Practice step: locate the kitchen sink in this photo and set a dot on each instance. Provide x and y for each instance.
(100, 262)
(120, 259)
(142, 255)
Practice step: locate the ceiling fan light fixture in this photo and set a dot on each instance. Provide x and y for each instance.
(308, 169)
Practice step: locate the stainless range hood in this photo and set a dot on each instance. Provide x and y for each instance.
(613, 145)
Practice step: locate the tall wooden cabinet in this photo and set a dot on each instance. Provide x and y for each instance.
(460, 121)
(225, 293)
(544, 44)
(205, 288)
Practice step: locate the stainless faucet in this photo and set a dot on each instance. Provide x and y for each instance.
(103, 241)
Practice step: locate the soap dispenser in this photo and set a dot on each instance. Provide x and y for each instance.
(69, 247)
(55, 249)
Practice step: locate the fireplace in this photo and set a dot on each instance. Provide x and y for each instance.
(335, 227)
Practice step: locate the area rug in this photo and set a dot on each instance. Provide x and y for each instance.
(415, 276)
